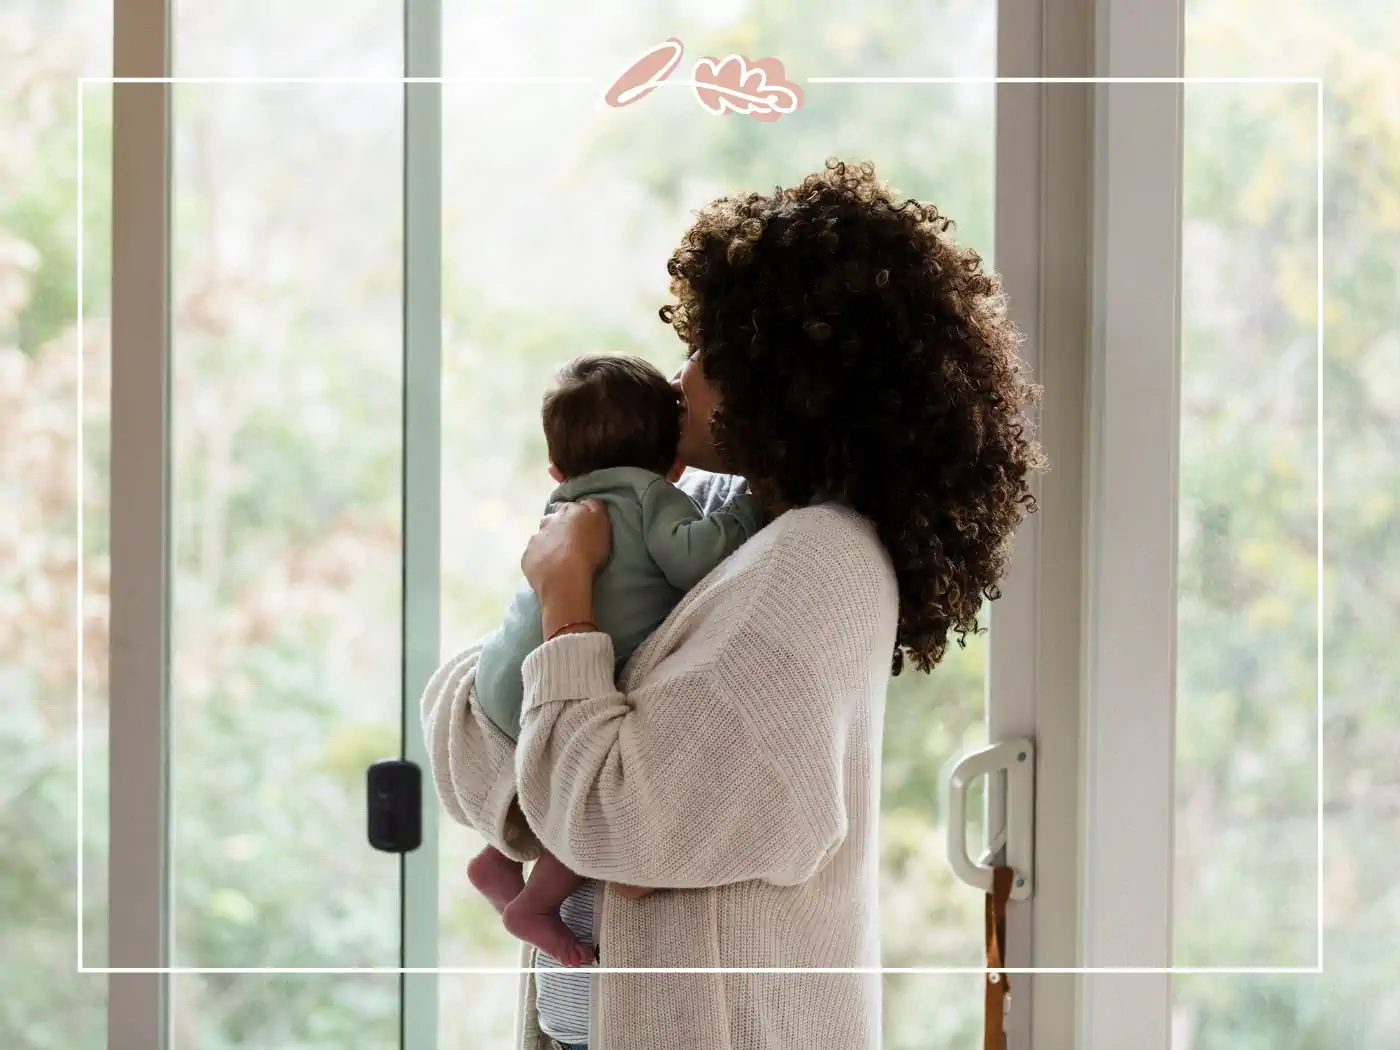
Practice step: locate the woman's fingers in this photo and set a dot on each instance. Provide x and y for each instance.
(573, 540)
(596, 535)
(554, 510)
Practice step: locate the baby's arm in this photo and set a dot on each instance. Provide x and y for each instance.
(685, 542)
(498, 684)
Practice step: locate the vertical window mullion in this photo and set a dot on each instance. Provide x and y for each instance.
(1135, 423)
(138, 785)
(1044, 156)
(422, 446)
(1066, 158)
(1012, 666)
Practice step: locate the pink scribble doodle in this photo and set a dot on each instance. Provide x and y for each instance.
(734, 85)
(642, 76)
(759, 89)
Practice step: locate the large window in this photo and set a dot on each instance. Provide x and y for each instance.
(286, 365)
(1247, 842)
(289, 308)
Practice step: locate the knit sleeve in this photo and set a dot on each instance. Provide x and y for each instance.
(473, 762)
(712, 771)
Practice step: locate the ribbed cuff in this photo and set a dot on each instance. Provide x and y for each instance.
(571, 667)
(507, 828)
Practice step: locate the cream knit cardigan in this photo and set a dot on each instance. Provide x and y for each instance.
(737, 766)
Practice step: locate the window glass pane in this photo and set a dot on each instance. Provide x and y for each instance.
(1247, 753)
(1247, 854)
(560, 215)
(287, 378)
(45, 46)
(477, 1011)
(310, 38)
(285, 1011)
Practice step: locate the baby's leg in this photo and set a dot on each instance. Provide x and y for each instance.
(534, 914)
(496, 877)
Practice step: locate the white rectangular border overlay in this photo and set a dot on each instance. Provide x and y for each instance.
(1317, 82)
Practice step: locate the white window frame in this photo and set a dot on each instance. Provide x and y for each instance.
(1083, 653)
(1129, 714)
(1043, 238)
(1016, 690)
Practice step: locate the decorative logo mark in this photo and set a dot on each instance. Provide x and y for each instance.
(758, 89)
(642, 76)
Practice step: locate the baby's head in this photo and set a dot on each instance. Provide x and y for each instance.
(605, 411)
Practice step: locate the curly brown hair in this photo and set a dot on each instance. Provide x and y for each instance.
(861, 355)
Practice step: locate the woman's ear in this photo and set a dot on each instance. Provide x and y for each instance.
(677, 469)
(556, 474)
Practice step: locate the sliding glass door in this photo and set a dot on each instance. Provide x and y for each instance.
(312, 457)
(559, 215)
(272, 339)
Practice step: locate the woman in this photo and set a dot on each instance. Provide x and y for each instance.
(857, 368)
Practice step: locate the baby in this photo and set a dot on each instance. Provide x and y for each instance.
(612, 426)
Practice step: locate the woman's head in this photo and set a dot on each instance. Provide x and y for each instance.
(699, 400)
(843, 346)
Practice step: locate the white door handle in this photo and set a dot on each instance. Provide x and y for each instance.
(1015, 831)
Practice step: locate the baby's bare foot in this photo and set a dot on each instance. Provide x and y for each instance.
(496, 877)
(547, 932)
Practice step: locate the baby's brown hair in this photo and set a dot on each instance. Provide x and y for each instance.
(611, 411)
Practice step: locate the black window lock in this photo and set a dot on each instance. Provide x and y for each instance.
(395, 806)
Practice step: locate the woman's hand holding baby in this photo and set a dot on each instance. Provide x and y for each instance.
(562, 558)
